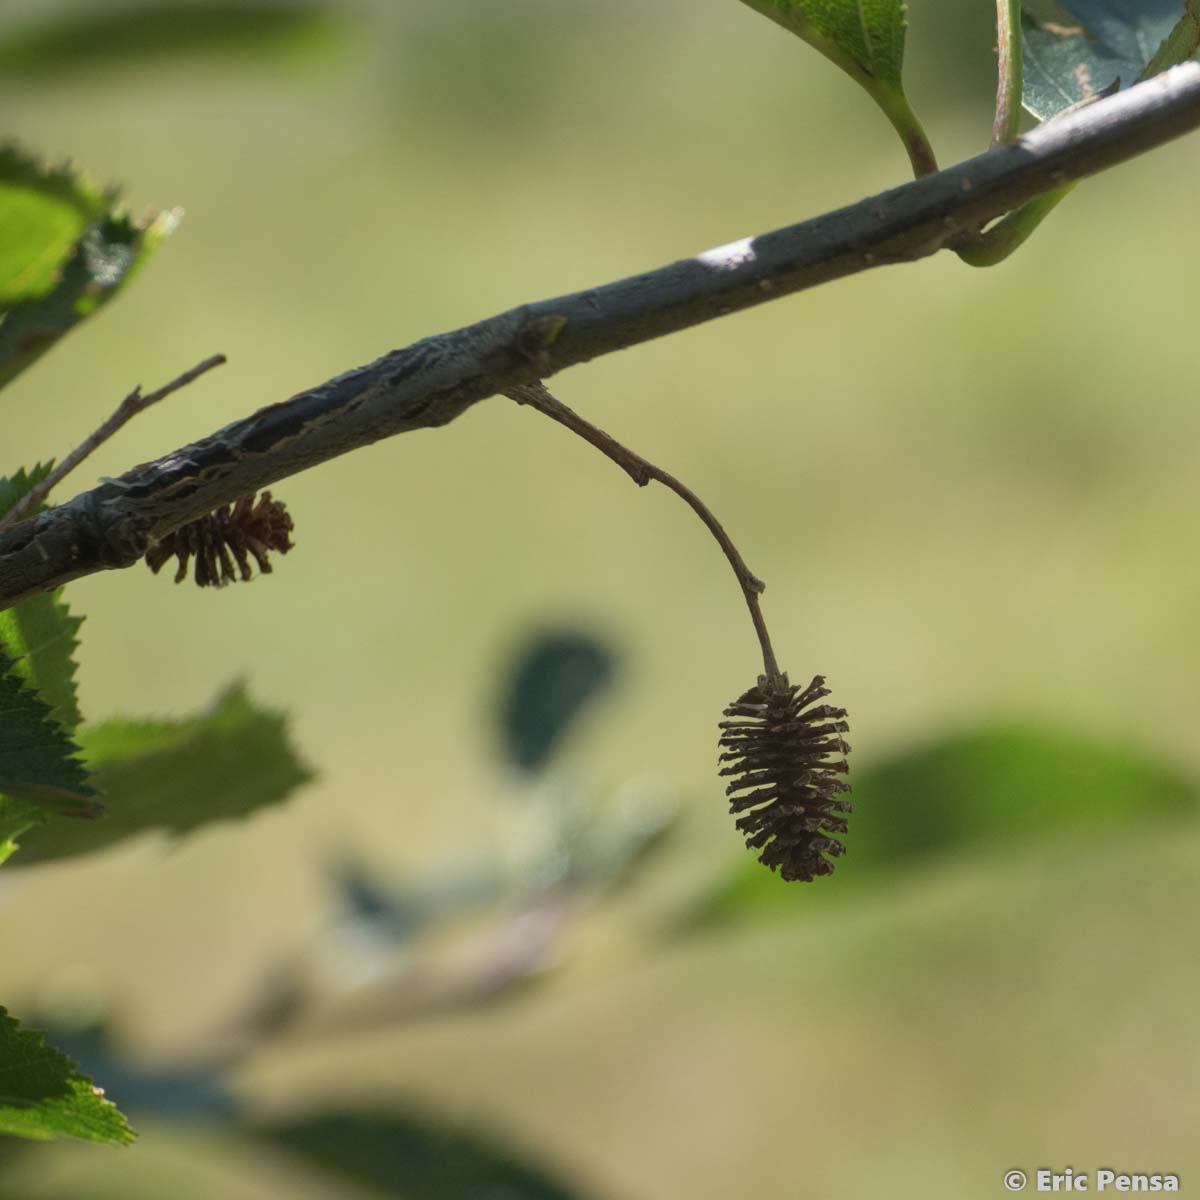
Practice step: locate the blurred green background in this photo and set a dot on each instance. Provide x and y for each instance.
(973, 496)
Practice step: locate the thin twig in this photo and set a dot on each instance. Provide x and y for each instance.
(642, 471)
(129, 408)
(433, 381)
(1010, 83)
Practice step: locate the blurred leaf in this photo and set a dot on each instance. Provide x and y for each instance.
(37, 759)
(42, 1095)
(967, 792)
(400, 913)
(998, 784)
(178, 776)
(549, 685)
(104, 258)
(1113, 39)
(601, 848)
(414, 1158)
(114, 36)
(616, 854)
(40, 634)
(368, 903)
(43, 211)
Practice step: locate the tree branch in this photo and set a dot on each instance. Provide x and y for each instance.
(435, 380)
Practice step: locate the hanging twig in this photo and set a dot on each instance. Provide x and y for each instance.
(642, 471)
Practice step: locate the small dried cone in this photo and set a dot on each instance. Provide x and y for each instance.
(786, 754)
(225, 537)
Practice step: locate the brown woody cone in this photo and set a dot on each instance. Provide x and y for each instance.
(780, 747)
(225, 537)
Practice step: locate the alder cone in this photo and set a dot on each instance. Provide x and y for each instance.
(224, 541)
(786, 755)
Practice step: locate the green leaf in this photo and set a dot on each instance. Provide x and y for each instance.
(65, 250)
(42, 1094)
(13, 487)
(972, 791)
(43, 210)
(414, 1158)
(37, 758)
(40, 634)
(102, 260)
(170, 1093)
(1180, 44)
(1101, 42)
(866, 39)
(113, 36)
(178, 776)
(17, 817)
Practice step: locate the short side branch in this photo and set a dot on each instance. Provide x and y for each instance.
(129, 408)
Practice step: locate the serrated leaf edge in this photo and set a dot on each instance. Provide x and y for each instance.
(39, 1044)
